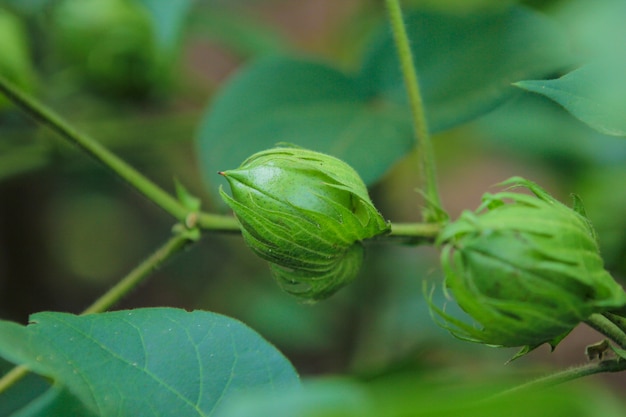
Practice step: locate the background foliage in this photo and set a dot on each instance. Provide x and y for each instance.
(218, 80)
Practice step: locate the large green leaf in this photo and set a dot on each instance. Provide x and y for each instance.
(305, 103)
(148, 362)
(594, 93)
(467, 62)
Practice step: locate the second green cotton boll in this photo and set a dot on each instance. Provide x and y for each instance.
(525, 268)
(306, 213)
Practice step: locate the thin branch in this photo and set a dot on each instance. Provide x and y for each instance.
(56, 123)
(566, 376)
(153, 192)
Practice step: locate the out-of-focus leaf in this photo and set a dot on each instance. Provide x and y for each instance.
(17, 396)
(169, 18)
(594, 93)
(22, 159)
(596, 28)
(111, 44)
(149, 362)
(467, 62)
(408, 395)
(93, 236)
(240, 33)
(27, 6)
(536, 126)
(397, 324)
(303, 103)
(325, 398)
(285, 322)
(56, 402)
(456, 6)
(15, 56)
(604, 204)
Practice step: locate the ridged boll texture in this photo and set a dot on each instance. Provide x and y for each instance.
(306, 213)
(526, 268)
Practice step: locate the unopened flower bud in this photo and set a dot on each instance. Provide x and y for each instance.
(525, 268)
(306, 213)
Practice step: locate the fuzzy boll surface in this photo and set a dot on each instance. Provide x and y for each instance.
(306, 213)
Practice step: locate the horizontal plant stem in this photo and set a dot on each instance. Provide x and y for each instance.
(218, 223)
(177, 242)
(421, 231)
(566, 376)
(55, 122)
(607, 328)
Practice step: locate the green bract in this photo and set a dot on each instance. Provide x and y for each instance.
(526, 268)
(306, 213)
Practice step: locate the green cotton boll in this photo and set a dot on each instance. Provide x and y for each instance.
(525, 268)
(306, 213)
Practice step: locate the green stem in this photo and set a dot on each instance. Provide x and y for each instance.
(607, 328)
(149, 189)
(567, 375)
(49, 118)
(115, 294)
(423, 141)
(12, 377)
(413, 233)
(217, 223)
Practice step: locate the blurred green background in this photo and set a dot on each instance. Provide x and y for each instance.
(138, 76)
